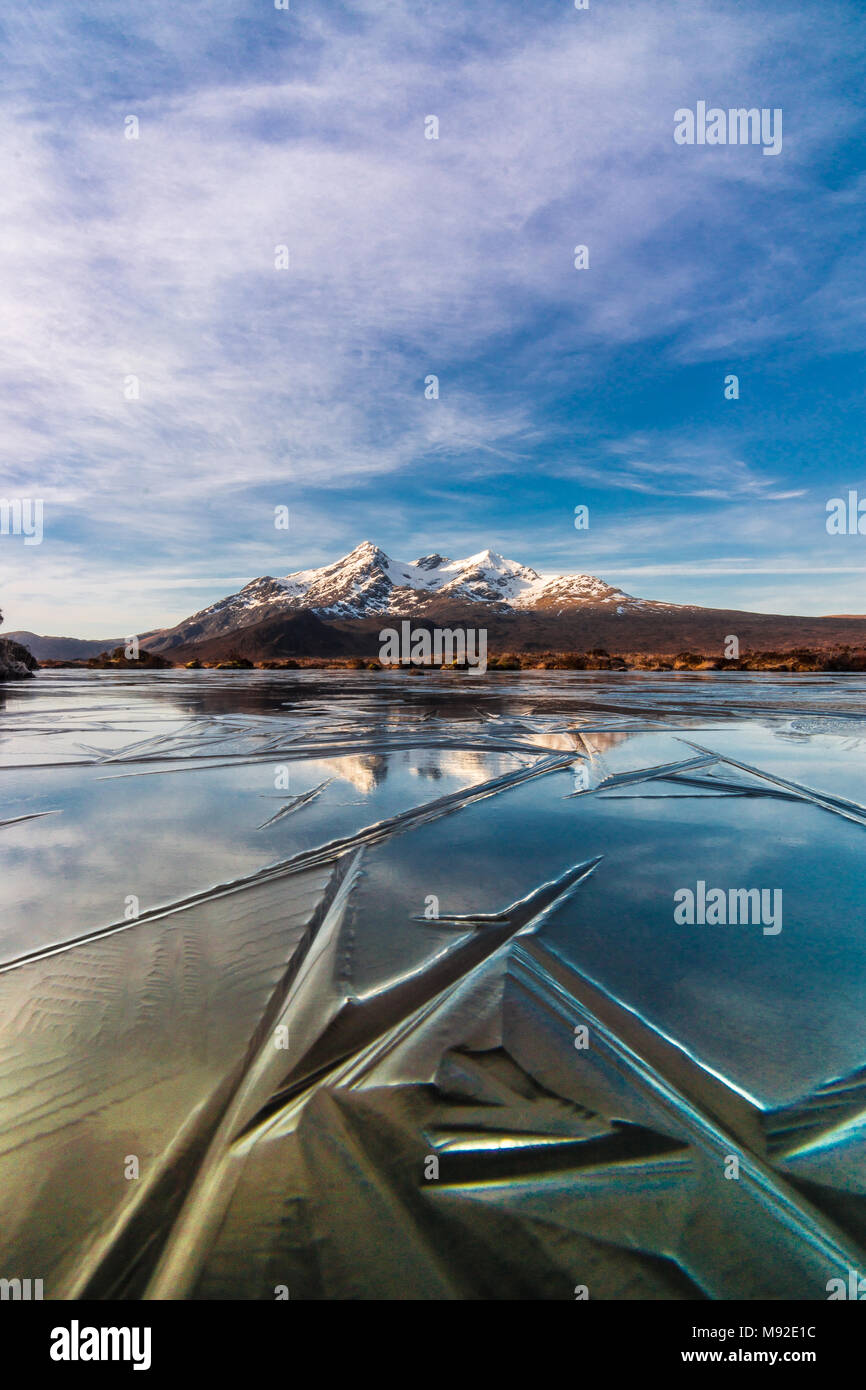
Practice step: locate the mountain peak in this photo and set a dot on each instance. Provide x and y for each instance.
(365, 551)
(431, 562)
(491, 557)
(367, 583)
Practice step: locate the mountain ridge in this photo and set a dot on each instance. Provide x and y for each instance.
(368, 583)
(339, 608)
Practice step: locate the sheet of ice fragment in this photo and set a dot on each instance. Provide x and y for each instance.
(410, 1037)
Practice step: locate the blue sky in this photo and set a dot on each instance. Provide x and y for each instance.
(304, 387)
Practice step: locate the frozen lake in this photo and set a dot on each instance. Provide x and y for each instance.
(432, 883)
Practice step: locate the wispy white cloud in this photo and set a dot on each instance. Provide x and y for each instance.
(154, 258)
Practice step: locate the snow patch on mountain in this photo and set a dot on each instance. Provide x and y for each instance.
(367, 583)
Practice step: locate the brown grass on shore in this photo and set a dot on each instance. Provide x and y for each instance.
(843, 658)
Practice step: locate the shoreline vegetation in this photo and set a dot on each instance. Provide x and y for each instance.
(843, 658)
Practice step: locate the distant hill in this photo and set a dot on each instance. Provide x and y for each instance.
(275, 638)
(63, 648)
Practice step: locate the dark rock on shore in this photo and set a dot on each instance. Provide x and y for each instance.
(16, 661)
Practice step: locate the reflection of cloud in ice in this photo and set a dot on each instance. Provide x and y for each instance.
(467, 765)
(365, 773)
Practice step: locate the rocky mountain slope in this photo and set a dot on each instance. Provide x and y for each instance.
(367, 584)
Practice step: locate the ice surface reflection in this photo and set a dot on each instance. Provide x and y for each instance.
(380, 981)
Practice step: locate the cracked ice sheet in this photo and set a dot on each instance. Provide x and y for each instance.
(835, 762)
(741, 1001)
(125, 1046)
(163, 838)
(778, 1016)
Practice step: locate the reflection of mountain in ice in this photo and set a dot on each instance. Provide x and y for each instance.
(364, 774)
(440, 1037)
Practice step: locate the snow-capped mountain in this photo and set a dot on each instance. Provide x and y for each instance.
(368, 582)
(338, 610)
